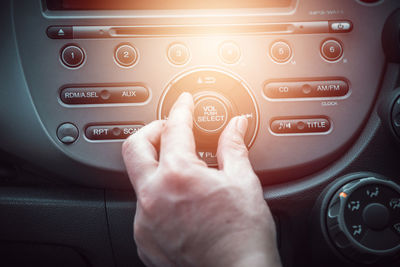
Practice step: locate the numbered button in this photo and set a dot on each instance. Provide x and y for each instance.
(281, 52)
(72, 56)
(126, 55)
(229, 52)
(178, 54)
(331, 50)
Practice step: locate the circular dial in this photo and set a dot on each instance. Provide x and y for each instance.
(363, 218)
(218, 96)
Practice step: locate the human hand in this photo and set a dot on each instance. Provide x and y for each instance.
(191, 215)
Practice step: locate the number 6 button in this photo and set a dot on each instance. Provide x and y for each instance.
(331, 50)
(126, 55)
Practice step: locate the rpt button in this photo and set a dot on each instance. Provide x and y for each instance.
(110, 132)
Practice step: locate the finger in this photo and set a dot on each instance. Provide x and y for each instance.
(177, 138)
(232, 153)
(139, 152)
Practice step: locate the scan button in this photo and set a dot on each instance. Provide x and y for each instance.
(111, 132)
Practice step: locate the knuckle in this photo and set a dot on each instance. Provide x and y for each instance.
(236, 144)
(127, 145)
(148, 204)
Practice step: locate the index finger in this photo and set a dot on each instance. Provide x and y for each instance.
(177, 138)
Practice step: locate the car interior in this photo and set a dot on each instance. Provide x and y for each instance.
(318, 81)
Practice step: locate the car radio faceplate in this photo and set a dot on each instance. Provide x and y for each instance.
(309, 74)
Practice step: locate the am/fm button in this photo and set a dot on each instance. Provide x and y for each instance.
(303, 89)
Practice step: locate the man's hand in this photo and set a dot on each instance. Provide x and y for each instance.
(191, 215)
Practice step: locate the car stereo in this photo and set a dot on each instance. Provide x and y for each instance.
(305, 75)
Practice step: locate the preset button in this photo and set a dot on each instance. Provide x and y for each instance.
(331, 50)
(72, 56)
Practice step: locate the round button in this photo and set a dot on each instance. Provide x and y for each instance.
(281, 52)
(376, 216)
(67, 133)
(210, 114)
(178, 54)
(229, 53)
(72, 56)
(126, 55)
(331, 50)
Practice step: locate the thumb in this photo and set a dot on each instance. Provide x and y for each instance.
(232, 153)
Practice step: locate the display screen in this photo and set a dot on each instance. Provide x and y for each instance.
(162, 4)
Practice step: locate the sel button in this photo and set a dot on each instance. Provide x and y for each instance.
(210, 114)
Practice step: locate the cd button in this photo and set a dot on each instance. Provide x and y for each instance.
(326, 88)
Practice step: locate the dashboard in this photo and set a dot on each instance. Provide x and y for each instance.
(317, 81)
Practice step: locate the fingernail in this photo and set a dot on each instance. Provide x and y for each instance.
(241, 124)
(185, 96)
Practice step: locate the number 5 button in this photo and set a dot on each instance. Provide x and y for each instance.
(281, 52)
(126, 55)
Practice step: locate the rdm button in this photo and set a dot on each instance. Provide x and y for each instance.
(104, 95)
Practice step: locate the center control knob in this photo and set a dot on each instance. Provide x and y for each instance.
(218, 96)
(363, 219)
(211, 112)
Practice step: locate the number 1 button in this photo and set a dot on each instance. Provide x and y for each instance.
(126, 55)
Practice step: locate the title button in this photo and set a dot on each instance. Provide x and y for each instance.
(300, 125)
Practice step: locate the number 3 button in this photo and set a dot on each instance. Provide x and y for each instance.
(126, 55)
